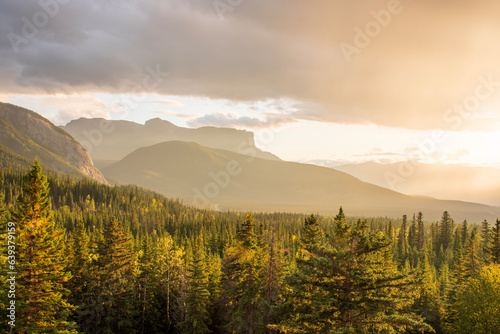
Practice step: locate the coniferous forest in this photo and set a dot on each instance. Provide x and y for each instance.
(92, 258)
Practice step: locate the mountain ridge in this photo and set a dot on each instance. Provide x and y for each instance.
(223, 179)
(112, 140)
(29, 135)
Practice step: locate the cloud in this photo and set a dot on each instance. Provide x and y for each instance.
(177, 114)
(60, 109)
(233, 120)
(170, 103)
(407, 76)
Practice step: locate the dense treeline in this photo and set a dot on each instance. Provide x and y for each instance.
(97, 259)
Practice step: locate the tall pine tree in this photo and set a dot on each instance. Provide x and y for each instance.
(244, 282)
(41, 261)
(197, 316)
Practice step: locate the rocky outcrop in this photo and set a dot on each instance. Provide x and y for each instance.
(30, 135)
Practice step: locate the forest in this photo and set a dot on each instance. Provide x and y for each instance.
(91, 258)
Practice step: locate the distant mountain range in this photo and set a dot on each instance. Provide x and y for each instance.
(472, 184)
(223, 170)
(109, 141)
(223, 180)
(25, 135)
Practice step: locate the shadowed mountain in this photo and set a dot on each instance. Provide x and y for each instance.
(224, 180)
(25, 135)
(108, 141)
(474, 184)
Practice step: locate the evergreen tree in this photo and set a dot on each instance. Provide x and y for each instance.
(412, 234)
(493, 249)
(420, 231)
(197, 315)
(244, 282)
(113, 293)
(299, 311)
(464, 233)
(485, 234)
(427, 302)
(353, 282)
(445, 230)
(79, 265)
(41, 261)
(402, 245)
(146, 287)
(477, 304)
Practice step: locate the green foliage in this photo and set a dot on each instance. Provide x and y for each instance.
(350, 285)
(244, 282)
(493, 247)
(41, 261)
(197, 300)
(142, 263)
(477, 303)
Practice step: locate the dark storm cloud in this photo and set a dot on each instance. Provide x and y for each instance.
(425, 57)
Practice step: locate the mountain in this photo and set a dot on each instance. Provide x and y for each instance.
(473, 184)
(223, 180)
(25, 135)
(108, 141)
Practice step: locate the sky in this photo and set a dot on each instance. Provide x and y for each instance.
(323, 81)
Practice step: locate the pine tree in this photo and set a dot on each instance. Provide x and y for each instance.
(493, 249)
(445, 230)
(464, 233)
(412, 234)
(244, 282)
(41, 261)
(420, 231)
(477, 304)
(348, 285)
(402, 245)
(113, 295)
(79, 265)
(146, 287)
(197, 315)
(485, 234)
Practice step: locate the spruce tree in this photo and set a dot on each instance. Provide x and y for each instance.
(352, 286)
(79, 265)
(41, 261)
(420, 231)
(485, 233)
(493, 249)
(197, 315)
(244, 282)
(402, 245)
(113, 309)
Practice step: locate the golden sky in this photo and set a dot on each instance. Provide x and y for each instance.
(379, 66)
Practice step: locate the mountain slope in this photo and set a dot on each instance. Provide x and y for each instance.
(478, 184)
(25, 135)
(112, 140)
(227, 180)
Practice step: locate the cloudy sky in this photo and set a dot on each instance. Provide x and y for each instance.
(326, 80)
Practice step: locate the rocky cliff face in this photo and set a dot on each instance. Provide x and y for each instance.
(30, 135)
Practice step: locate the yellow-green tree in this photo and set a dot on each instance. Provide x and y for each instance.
(477, 303)
(41, 305)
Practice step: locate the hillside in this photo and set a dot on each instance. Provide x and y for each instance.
(474, 184)
(108, 141)
(25, 135)
(226, 180)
